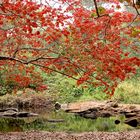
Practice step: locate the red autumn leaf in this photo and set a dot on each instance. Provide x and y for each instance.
(34, 24)
(100, 47)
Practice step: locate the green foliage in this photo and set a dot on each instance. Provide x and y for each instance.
(65, 90)
(10, 124)
(4, 88)
(92, 93)
(129, 91)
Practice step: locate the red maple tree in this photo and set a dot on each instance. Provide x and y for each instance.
(97, 46)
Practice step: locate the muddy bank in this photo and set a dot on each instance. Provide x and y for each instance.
(36, 135)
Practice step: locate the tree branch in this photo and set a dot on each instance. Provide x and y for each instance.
(134, 5)
(96, 7)
(11, 59)
(24, 61)
(54, 70)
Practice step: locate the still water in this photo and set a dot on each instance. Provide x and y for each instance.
(49, 121)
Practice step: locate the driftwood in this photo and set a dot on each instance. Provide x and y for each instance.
(96, 109)
(13, 112)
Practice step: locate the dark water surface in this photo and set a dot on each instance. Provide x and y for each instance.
(49, 121)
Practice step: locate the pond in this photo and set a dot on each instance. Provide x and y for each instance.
(64, 122)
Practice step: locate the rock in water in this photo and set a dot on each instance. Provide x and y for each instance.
(10, 113)
(57, 106)
(26, 114)
(132, 122)
(117, 121)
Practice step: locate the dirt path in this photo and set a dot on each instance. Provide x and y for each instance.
(36, 135)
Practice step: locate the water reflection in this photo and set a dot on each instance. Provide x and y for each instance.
(71, 123)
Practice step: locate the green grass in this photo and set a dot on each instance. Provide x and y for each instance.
(65, 90)
(128, 91)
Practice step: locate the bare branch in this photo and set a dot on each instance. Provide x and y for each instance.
(96, 7)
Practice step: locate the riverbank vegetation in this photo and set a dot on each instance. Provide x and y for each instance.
(62, 89)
